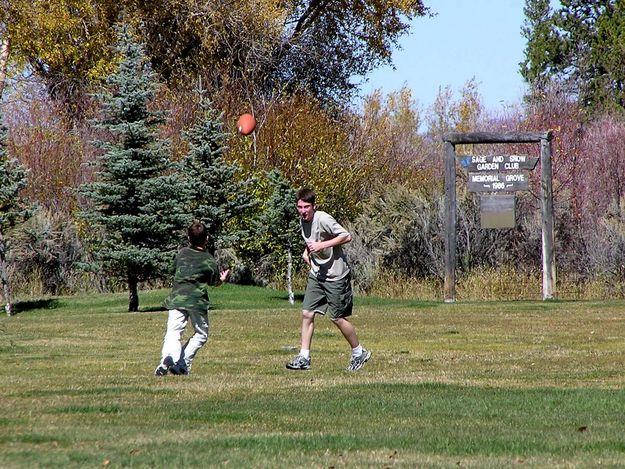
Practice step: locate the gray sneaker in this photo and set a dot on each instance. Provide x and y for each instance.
(356, 363)
(299, 362)
(163, 368)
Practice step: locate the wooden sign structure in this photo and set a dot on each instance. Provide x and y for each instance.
(485, 176)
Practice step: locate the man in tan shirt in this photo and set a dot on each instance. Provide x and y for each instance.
(329, 287)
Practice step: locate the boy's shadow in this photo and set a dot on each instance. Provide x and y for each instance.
(21, 306)
(152, 309)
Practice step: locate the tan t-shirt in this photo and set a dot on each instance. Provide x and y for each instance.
(328, 264)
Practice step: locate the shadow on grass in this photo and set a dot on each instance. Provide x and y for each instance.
(298, 297)
(160, 309)
(152, 309)
(29, 305)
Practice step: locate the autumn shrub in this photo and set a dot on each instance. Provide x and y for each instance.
(48, 257)
(52, 148)
(606, 244)
(599, 287)
(182, 110)
(400, 235)
(555, 110)
(600, 168)
(309, 147)
(385, 136)
(503, 282)
(342, 154)
(399, 230)
(379, 174)
(588, 175)
(587, 179)
(402, 231)
(389, 284)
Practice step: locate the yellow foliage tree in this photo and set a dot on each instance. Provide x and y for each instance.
(447, 115)
(343, 156)
(66, 42)
(386, 136)
(309, 147)
(255, 48)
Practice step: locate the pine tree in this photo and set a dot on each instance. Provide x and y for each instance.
(137, 209)
(544, 54)
(13, 208)
(579, 44)
(218, 196)
(279, 221)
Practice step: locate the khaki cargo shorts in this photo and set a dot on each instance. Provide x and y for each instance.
(334, 298)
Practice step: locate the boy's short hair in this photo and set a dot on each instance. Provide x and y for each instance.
(307, 195)
(197, 234)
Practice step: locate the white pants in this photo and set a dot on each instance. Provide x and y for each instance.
(176, 323)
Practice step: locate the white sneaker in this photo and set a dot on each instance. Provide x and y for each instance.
(356, 363)
(299, 362)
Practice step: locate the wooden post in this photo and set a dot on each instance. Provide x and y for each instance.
(450, 222)
(546, 194)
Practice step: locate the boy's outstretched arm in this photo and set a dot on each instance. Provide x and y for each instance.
(223, 276)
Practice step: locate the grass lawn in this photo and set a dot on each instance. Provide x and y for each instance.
(533, 384)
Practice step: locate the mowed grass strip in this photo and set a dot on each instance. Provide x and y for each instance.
(470, 384)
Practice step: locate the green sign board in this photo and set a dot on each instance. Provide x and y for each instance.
(509, 181)
(475, 163)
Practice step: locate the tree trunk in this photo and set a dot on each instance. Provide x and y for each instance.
(289, 276)
(133, 294)
(5, 50)
(4, 277)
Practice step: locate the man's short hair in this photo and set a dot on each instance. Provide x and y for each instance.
(197, 234)
(307, 195)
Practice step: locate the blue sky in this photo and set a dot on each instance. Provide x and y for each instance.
(467, 39)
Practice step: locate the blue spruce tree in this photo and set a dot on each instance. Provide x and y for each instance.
(137, 202)
(219, 198)
(279, 222)
(13, 208)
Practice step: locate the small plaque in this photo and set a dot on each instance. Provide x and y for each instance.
(498, 211)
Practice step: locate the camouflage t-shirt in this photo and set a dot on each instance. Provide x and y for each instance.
(195, 270)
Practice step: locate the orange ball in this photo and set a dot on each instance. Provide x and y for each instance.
(246, 124)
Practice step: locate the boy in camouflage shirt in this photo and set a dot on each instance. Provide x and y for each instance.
(195, 270)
